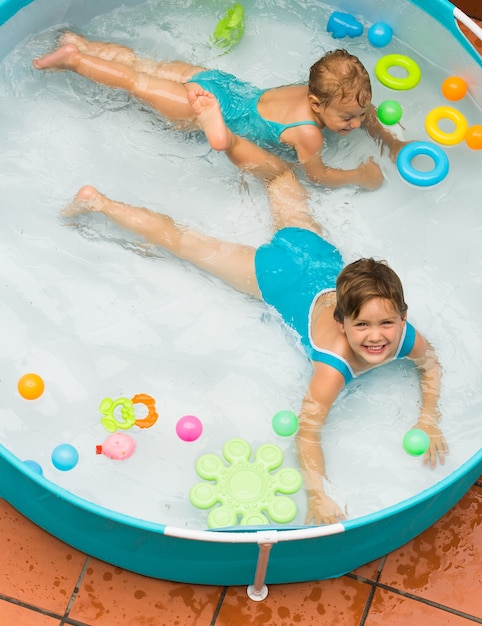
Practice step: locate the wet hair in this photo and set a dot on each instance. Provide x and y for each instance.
(340, 74)
(363, 280)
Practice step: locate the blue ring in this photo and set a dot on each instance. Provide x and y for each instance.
(417, 177)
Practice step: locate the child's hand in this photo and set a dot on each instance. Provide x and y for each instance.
(370, 175)
(323, 510)
(438, 447)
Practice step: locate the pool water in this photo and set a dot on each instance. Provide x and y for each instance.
(100, 315)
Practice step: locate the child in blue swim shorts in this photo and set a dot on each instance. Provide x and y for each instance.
(336, 97)
(349, 319)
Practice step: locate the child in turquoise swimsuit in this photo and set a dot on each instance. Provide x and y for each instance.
(348, 319)
(337, 97)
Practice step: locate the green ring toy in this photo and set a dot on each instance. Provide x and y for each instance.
(410, 81)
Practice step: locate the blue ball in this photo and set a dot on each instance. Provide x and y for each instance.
(380, 34)
(65, 457)
(34, 466)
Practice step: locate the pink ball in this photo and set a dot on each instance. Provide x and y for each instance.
(189, 428)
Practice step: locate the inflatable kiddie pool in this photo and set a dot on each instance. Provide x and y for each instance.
(275, 554)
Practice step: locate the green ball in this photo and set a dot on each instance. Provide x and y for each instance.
(285, 423)
(389, 112)
(416, 442)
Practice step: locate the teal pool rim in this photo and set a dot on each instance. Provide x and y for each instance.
(8, 8)
(471, 464)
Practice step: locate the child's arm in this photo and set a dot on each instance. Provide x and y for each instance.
(325, 385)
(379, 133)
(425, 357)
(309, 147)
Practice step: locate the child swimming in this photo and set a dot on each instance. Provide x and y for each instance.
(337, 97)
(349, 319)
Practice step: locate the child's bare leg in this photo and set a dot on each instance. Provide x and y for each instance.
(251, 158)
(233, 263)
(287, 198)
(177, 71)
(167, 97)
(288, 203)
(103, 50)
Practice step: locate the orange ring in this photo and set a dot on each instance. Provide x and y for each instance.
(152, 415)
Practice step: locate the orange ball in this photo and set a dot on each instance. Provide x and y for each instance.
(473, 137)
(454, 88)
(30, 386)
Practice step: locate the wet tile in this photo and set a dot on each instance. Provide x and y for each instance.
(370, 570)
(337, 602)
(37, 568)
(390, 608)
(110, 595)
(14, 615)
(443, 564)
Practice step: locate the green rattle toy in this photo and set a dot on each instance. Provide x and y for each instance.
(230, 28)
(111, 420)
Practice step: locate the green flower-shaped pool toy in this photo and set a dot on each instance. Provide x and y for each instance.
(245, 489)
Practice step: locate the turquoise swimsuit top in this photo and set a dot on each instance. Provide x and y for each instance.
(238, 101)
(339, 363)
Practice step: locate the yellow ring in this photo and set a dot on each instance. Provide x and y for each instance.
(441, 113)
(410, 81)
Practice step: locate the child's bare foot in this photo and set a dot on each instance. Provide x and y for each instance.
(59, 58)
(69, 37)
(86, 200)
(210, 118)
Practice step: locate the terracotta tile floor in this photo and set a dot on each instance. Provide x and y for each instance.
(435, 580)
